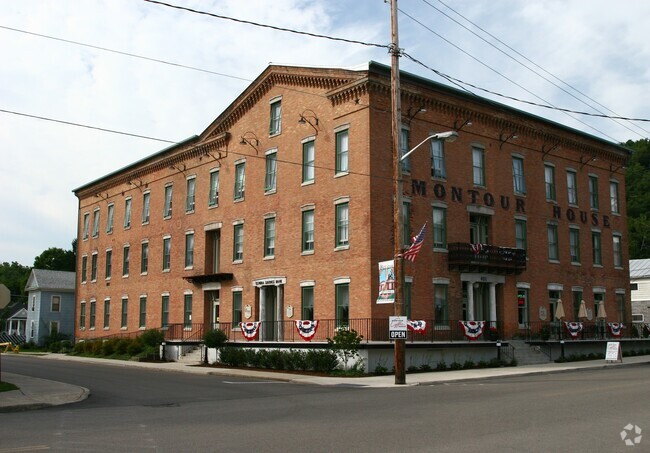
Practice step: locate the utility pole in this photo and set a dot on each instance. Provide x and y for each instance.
(396, 127)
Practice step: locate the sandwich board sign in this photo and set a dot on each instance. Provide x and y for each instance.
(613, 352)
(397, 327)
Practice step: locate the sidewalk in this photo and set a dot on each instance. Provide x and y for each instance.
(36, 393)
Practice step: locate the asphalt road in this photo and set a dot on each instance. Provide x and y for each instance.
(139, 410)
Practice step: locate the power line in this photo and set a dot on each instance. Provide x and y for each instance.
(273, 27)
(618, 116)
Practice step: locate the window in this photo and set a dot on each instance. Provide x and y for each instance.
(269, 237)
(308, 157)
(82, 316)
(86, 225)
(107, 313)
(572, 187)
(593, 192)
(96, 223)
(189, 198)
(342, 295)
(109, 263)
(54, 328)
(167, 209)
(549, 182)
(275, 124)
(55, 304)
(618, 251)
(522, 307)
(553, 251)
(478, 167)
(553, 296)
(308, 230)
(126, 260)
(596, 248)
(598, 298)
(577, 299)
(342, 151)
(438, 169)
(213, 197)
(127, 213)
(441, 304)
(518, 179)
(164, 317)
(574, 245)
(146, 207)
(521, 234)
(93, 267)
(406, 223)
(307, 303)
(144, 258)
(125, 312)
(187, 311)
(167, 253)
(408, 284)
(142, 322)
(620, 307)
(238, 242)
(189, 250)
(93, 310)
(404, 148)
(84, 268)
(613, 197)
(109, 218)
(271, 169)
(239, 180)
(236, 308)
(439, 227)
(342, 225)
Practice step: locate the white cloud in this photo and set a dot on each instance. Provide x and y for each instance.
(598, 47)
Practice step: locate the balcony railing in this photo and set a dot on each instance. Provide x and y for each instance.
(485, 258)
(591, 330)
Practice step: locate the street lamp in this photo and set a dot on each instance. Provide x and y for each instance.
(400, 344)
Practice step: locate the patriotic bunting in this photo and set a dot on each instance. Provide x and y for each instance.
(476, 248)
(615, 328)
(417, 326)
(306, 329)
(574, 328)
(250, 329)
(472, 329)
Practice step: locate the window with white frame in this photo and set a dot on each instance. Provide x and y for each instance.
(342, 303)
(213, 197)
(82, 315)
(86, 225)
(167, 253)
(93, 267)
(126, 260)
(574, 244)
(142, 321)
(478, 166)
(84, 268)
(307, 301)
(440, 302)
(269, 237)
(55, 305)
(167, 208)
(439, 227)
(438, 168)
(107, 313)
(271, 171)
(146, 207)
(593, 192)
(275, 123)
(96, 223)
(187, 310)
(342, 224)
(404, 148)
(308, 158)
(342, 151)
(613, 197)
(238, 242)
(93, 311)
(189, 250)
(236, 307)
(549, 182)
(144, 257)
(518, 177)
(127, 213)
(406, 223)
(521, 234)
(308, 230)
(190, 194)
(164, 306)
(125, 312)
(109, 218)
(553, 246)
(109, 264)
(596, 248)
(240, 181)
(572, 187)
(54, 328)
(618, 250)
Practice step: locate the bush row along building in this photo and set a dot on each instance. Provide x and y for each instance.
(282, 209)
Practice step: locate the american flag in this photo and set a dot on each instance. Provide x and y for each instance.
(415, 247)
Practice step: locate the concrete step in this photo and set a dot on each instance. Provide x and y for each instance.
(192, 355)
(527, 354)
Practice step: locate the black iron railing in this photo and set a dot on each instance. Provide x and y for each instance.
(484, 257)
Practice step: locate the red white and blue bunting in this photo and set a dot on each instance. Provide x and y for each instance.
(615, 328)
(418, 326)
(306, 329)
(472, 329)
(250, 329)
(574, 328)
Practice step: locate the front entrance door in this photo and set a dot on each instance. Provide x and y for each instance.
(270, 306)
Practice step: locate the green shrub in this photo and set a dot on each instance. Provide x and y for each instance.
(412, 369)
(441, 366)
(322, 360)
(482, 364)
(79, 348)
(296, 360)
(122, 345)
(108, 348)
(455, 366)
(468, 365)
(135, 348)
(215, 338)
(380, 369)
(97, 347)
(152, 337)
(425, 367)
(346, 345)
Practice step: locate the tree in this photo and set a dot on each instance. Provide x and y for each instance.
(14, 276)
(56, 259)
(637, 181)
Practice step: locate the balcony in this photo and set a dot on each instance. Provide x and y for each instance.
(486, 258)
(208, 278)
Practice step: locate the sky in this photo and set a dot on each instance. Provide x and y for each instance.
(583, 55)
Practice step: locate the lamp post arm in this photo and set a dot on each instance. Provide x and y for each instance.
(450, 136)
